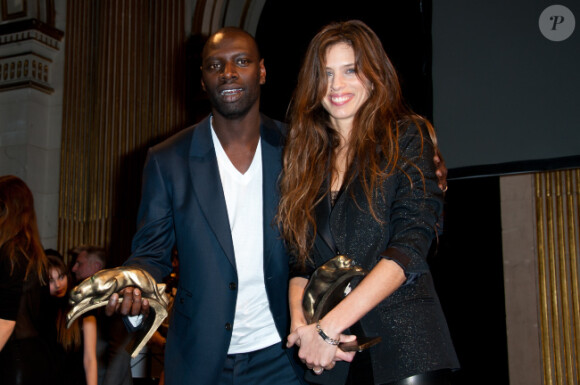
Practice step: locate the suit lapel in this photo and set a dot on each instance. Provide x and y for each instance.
(208, 188)
(271, 168)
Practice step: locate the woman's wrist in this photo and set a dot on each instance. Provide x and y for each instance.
(332, 324)
(329, 340)
(296, 325)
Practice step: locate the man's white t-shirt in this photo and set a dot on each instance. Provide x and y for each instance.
(254, 326)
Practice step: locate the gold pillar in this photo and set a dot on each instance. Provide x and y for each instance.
(124, 91)
(557, 219)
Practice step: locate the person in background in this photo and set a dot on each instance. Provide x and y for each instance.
(359, 179)
(24, 329)
(76, 345)
(114, 362)
(59, 278)
(210, 190)
(88, 259)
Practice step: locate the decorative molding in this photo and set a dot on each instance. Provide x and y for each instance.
(49, 35)
(26, 51)
(23, 71)
(24, 36)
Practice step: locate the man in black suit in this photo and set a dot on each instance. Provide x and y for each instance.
(210, 190)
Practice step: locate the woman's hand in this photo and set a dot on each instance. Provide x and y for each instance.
(441, 170)
(313, 350)
(295, 294)
(295, 325)
(316, 353)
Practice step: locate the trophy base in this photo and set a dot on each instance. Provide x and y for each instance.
(360, 344)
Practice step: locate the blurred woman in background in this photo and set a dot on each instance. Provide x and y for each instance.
(24, 292)
(76, 346)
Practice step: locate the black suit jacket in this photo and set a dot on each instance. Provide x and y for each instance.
(415, 336)
(183, 204)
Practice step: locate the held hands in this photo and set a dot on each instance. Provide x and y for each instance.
(315, 352)
(132, 303)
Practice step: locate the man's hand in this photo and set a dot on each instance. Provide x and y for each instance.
(132, 303)
(441, 171)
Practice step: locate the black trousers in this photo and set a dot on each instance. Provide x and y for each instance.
(268, 366)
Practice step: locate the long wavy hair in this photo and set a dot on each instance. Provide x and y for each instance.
(309, 154)
(69, 338)
(19, 229)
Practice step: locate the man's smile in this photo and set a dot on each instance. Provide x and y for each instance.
(232, 91)
(231, 95)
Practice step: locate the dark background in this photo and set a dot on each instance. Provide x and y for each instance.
(505, 98)
(285, 29)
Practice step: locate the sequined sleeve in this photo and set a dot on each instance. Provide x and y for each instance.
(417, 206)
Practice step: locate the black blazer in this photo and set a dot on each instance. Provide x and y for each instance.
(183, 204)
(415, 337)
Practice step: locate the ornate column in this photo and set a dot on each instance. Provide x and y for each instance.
(124, 91)
(540, 231)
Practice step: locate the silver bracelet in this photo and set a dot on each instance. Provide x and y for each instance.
(325, 337)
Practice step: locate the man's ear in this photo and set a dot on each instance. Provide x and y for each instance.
(262, 72)
(202, 85)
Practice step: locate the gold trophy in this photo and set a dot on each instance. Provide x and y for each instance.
(95, 291)
(327, 286)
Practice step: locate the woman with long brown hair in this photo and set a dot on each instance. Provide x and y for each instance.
(359, 180)
(24, 326)
(77, 344)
